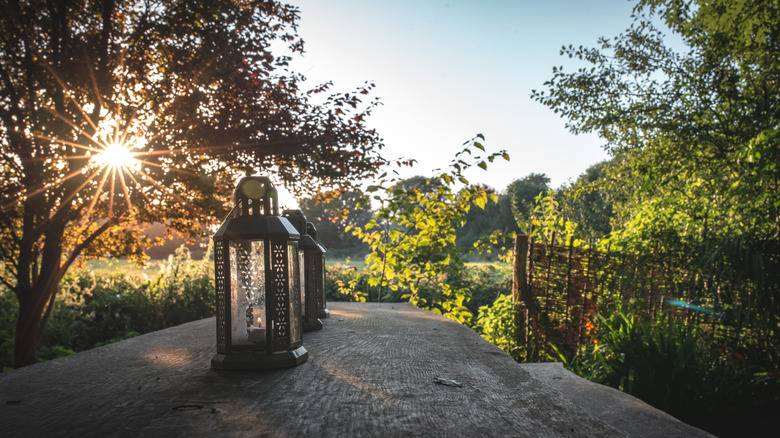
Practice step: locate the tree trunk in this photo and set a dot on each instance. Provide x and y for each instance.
(34, 310)
(28, 335)
(36, 296)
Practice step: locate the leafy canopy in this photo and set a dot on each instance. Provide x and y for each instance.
(695, 136)
(694, 132)
(116, 113)
(412, 236)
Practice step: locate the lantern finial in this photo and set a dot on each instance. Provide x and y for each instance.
(255, 196)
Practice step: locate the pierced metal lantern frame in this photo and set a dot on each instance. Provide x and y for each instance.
(318, 273)
(257, 282)
(310, 252)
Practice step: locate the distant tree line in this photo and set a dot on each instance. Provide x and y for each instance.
(581, 201)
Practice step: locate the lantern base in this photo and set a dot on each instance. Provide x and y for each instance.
(312, 324)
(323, 313)
(245, 360)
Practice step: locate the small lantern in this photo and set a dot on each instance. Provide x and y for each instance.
(319, 273)
(257, 281)
(310, 251)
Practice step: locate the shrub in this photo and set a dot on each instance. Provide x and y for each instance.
(495, 323)
(344, 282)
(93, 309)
(486, 281)
(667, 364)
(8, 309)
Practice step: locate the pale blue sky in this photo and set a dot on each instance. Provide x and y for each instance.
(446, 70)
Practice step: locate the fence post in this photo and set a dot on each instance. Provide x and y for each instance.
(520, 286)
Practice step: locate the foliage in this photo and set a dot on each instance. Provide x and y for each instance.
(495, 216)
(412, 236)
(114, 115)
(333, 214)
(8, 310)
(94, 309)
(496, 324)
(693, 136)
(486, 281)
(344, 282)
(549, 222)
(693, 191)
(667, 364)
(587, 202)
(693, 181)
(523, 194)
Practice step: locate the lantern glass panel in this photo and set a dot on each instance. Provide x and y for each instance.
(296, 289)
(247, 276)
(302, 276)
(319, 273)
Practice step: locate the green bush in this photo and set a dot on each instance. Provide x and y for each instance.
(93, 309)
(8, 310)
(486, 281)
(667, 364)
(663, 364)
(344, 282)
(495, 323)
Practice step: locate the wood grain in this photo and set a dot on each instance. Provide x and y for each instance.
(370, 372)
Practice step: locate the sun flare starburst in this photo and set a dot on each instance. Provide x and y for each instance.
(118, 156)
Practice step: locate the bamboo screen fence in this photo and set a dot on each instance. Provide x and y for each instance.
(561, 288)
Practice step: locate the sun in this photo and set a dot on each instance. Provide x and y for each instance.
(118, 156)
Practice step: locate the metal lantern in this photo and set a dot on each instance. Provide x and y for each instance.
(257, 281)
(310, 252)
(318, 286)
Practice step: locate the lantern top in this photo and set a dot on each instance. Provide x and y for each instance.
(311, 230)
(297, 218)
(298, 221)
(255, 196)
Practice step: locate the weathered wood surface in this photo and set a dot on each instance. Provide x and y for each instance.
(370, 373)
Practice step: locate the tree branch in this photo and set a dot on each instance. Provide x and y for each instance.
(88, 241)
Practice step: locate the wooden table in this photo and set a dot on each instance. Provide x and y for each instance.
(370, 372)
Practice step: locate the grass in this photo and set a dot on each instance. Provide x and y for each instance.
(112, 266)
(344, 262)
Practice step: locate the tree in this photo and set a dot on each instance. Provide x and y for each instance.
(333, 215)
(412, 236)
(496, 216)
(587, 203)
(523, 193)
(118, 113)
(515, 209)
(694, 133)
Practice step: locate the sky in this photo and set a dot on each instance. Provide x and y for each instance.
(446, 70)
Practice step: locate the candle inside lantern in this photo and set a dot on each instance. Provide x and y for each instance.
(257, 334)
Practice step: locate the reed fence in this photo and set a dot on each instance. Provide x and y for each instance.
(559, 289)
